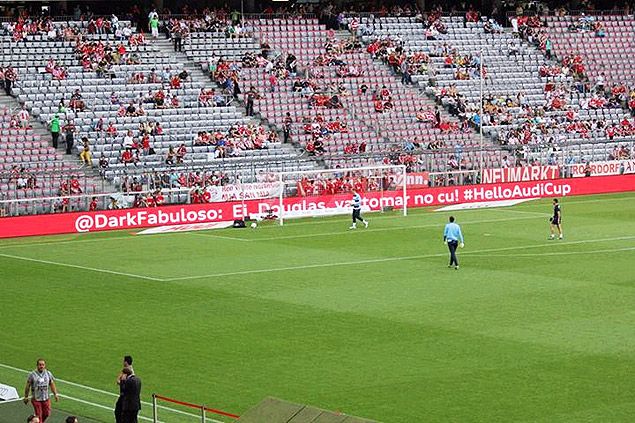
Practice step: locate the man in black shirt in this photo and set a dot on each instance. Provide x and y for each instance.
(286, 128)
(130, 397)
(556, 220)
(251, 95)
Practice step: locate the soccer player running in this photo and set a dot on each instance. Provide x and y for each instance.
(452, 235)
(357, 210)
(556, 221)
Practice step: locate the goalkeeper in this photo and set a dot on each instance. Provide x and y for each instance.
(357, 210)
(452, 236)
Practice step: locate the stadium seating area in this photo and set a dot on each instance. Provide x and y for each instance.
(551, 109)
(136, 78)
(341, 94)
(607, 49)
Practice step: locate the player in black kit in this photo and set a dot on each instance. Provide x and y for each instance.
(556, 220)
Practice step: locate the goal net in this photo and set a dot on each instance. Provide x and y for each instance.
(328, 192)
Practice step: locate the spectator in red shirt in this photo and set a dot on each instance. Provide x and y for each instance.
(180, 153)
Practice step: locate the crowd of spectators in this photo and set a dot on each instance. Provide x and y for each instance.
(239, 137)
(342, 184)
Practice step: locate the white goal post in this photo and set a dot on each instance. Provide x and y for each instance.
(326, 192)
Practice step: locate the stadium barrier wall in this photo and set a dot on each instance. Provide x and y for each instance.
(79, 222)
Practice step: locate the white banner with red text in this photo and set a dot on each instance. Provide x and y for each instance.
(305, 206)
(613, 167)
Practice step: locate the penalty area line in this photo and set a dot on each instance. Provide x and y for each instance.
(557, 253)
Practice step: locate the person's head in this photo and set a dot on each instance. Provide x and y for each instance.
(451, 219)
(555, 201)
(41, 364)
(127, 361)
(33, 419)
(71, 419)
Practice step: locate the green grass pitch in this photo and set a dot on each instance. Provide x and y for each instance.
(370, 322)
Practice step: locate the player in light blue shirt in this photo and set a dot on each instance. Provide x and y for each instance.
(452, 236)
(356, 202)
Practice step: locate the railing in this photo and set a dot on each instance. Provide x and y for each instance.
(571, 13)
(80, 202)
(201, 408)
(182, 195)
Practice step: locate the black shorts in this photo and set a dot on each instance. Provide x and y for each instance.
(357, 214)
(554, 220)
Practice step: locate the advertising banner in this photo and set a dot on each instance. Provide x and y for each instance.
(614, 167)
(519, 174)
(79, 222)
(249, 191)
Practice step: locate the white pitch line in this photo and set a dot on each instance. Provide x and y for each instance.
(65, 241)
(76, 266)
(599, 200)
(552, 244)
(209, 235)
(559, 253)
(101, 391)
(388, 259)
(308, 266)
(526, 212)
(398, 228)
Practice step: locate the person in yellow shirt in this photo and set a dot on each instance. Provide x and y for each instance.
(85, 156)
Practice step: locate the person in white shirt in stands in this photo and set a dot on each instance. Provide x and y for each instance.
(52, 34)
(126, 32)
(599, 83)
(128, 140)
(23, 116)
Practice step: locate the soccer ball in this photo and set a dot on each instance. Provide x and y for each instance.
(254, 225)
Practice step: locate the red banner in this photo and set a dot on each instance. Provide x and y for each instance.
(305, 206)
(519, 174)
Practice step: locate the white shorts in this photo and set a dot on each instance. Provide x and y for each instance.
(155, 32)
